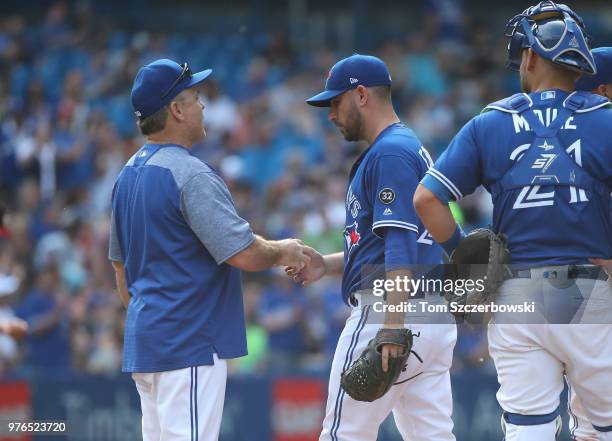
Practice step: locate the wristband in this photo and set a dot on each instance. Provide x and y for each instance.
(450, 245)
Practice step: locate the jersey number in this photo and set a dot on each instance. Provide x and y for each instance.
(425, 238)
(531, 196)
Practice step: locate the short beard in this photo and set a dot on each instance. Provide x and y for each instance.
(353, 125)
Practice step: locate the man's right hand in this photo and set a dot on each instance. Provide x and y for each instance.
(263, 254)
(293, 253)
(312, 272)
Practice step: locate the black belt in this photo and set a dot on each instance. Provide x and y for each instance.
(572, 272)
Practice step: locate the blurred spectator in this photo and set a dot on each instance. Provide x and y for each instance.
(55, 31)
(110, 155)
(257, 336)
(444, 20)
(336, 312)
(424, 73)
(281, 313)
(47, 344)
(12, 275)
(254, 82)
(220, 113)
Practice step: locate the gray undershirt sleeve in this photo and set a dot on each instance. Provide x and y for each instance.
(209, 210)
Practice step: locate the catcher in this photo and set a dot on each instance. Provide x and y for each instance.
(550, 181)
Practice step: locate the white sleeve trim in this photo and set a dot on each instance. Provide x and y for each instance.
(394, 223)
(446, 182)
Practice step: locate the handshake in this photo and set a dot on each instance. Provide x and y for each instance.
(302, 263)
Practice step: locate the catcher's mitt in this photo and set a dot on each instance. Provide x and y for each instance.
(482, 256)
(365, 380)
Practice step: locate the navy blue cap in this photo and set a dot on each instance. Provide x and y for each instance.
(603, 61)
(157, 83)
(346, 74)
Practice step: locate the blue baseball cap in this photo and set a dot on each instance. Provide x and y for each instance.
(157, 83)
(603, 61)
(346, 74)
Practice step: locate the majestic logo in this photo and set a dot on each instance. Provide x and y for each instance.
(352, 236)
(387, 212)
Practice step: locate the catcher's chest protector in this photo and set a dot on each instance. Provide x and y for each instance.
(546, 162)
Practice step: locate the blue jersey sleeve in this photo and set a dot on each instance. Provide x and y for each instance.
(457, 172)
(400, 248)
(394, 180)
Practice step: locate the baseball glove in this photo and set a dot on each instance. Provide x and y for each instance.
(482, 256)
(365, 380)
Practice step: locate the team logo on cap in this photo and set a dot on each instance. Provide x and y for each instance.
(329, 74)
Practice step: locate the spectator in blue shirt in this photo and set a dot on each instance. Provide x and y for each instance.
(281, 312)
(48, 342)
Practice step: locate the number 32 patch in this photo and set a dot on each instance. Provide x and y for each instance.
(386, 196)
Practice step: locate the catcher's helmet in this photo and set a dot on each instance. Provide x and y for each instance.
(554, 32)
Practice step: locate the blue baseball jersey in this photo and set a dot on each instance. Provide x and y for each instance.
(379, 196)
(551, 192)
(173, 226)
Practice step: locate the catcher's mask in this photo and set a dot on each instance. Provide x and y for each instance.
(555, 33)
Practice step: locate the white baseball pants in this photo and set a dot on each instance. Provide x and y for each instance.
(532, 359)
(421, 401)
(184, 404)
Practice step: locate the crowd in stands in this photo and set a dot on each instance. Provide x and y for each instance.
(67, 127)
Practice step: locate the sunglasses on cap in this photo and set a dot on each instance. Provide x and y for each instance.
(185, 73)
